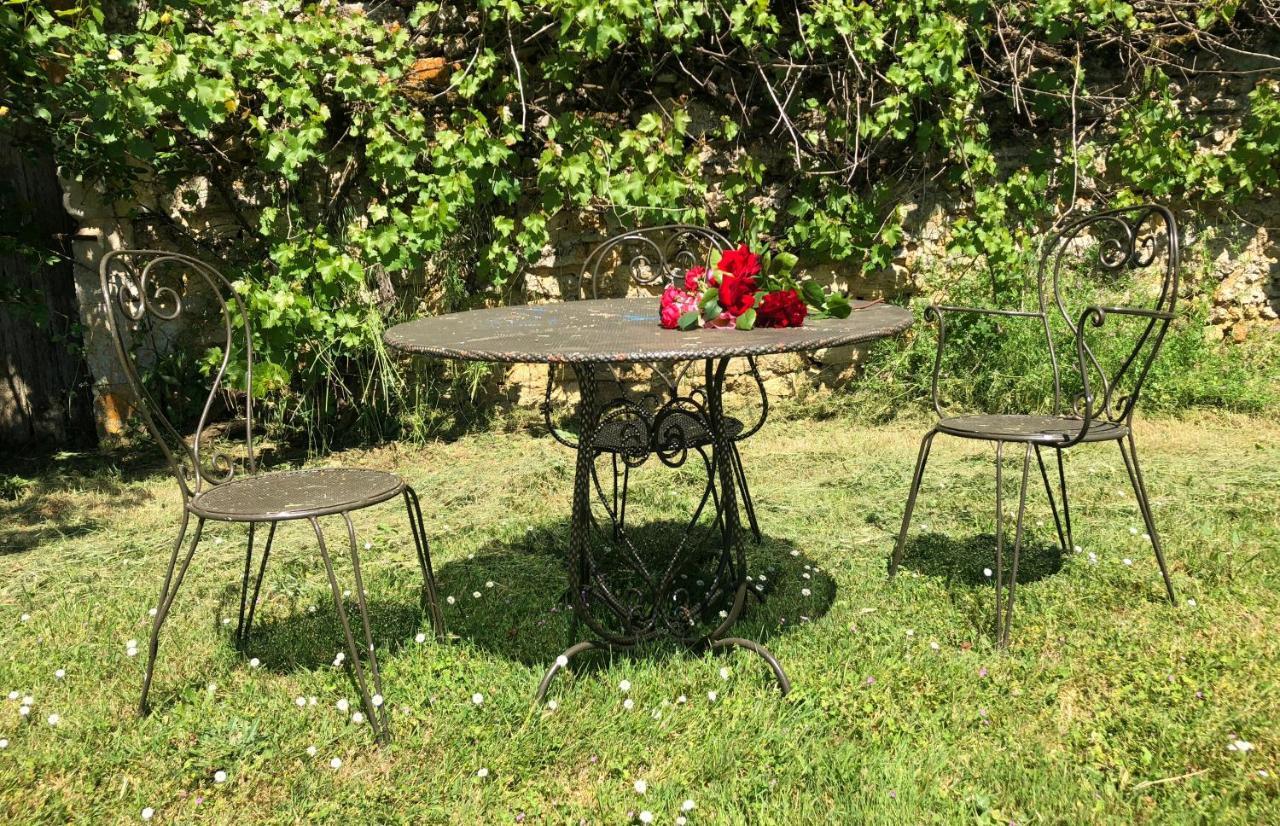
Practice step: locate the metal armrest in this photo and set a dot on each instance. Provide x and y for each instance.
(937, 313)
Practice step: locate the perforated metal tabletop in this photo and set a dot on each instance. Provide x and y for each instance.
(622, 330)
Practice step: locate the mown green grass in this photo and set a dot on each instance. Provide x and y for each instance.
(1110, 706)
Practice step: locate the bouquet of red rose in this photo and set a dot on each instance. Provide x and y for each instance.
(743, 290)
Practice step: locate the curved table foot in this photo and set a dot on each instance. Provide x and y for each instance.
(561, 662)
(784, 684)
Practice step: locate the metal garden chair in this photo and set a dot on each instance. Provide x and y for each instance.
(655, 257)
(1111, 243)
(146, 293)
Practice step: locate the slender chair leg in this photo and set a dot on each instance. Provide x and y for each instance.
(1017, 547)
(167, 592)
(1140, 490)
(257, 582)
(418, 528)
(353, 652)
(735, 459)
(1053, 505)
(921, 460)
(247, 605)
(999, 535)
(1066, 504)
(244, 584)
(378, 707)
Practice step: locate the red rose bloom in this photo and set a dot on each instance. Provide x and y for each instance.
(781, 308)
(693, 278)
(741, 262)
(737, 294)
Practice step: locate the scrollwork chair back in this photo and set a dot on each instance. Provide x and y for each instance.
(151, 294)
(1140, 244)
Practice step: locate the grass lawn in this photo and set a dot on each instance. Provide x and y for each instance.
(1110, 705)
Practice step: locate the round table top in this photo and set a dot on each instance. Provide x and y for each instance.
(622, 330)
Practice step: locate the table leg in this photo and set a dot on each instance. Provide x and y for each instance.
(643, 600)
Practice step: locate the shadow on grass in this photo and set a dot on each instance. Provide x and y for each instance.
(522, 612)
(965, 561)
(509, 599)
(40, 490)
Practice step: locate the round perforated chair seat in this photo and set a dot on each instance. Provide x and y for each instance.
(296, 494)
(1023, 428)
(622, 435)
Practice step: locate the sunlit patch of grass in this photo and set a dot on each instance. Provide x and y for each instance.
(1110, 705)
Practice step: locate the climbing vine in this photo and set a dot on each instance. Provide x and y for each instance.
(359, 157)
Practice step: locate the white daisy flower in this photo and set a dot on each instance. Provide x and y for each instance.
(357, 717)
(377, 700)
(219, 776)
(4, 744)
(1133, 531)
(311, 751)
(1191, 602)
(641, 786)
(934, 646)
(151, 612)
(1127, 561)
(482, 772)
(420, 637)
(28, 700)
(1077, 549)
(343, 705)
(552, 705)
(300, 702)
(562, 661)
(911, 632)
(148, 812)
(795, 553)
(804, 592)
(335, 763)
(13, 695)
(255, 662)
(451, 600)
(477, 698)
(488, 583)
(724, 672)
(688, 806)
(681, 820)
(624, 686)
(1240, 746)
(368, 545)
(54, 719)
(628, 704)
(986, 572)
(60, 673)
(24, 711)
(646, 816)
(475, 595)
(711, 695)
(681, 700)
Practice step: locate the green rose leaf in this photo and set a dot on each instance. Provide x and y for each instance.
(837, 306)
(813, 293)
(689, 320)
(747, 320)
(785, 262)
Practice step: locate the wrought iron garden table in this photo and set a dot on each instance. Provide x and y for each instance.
(688, 591)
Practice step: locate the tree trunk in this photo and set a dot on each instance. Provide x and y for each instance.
(44, 385)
